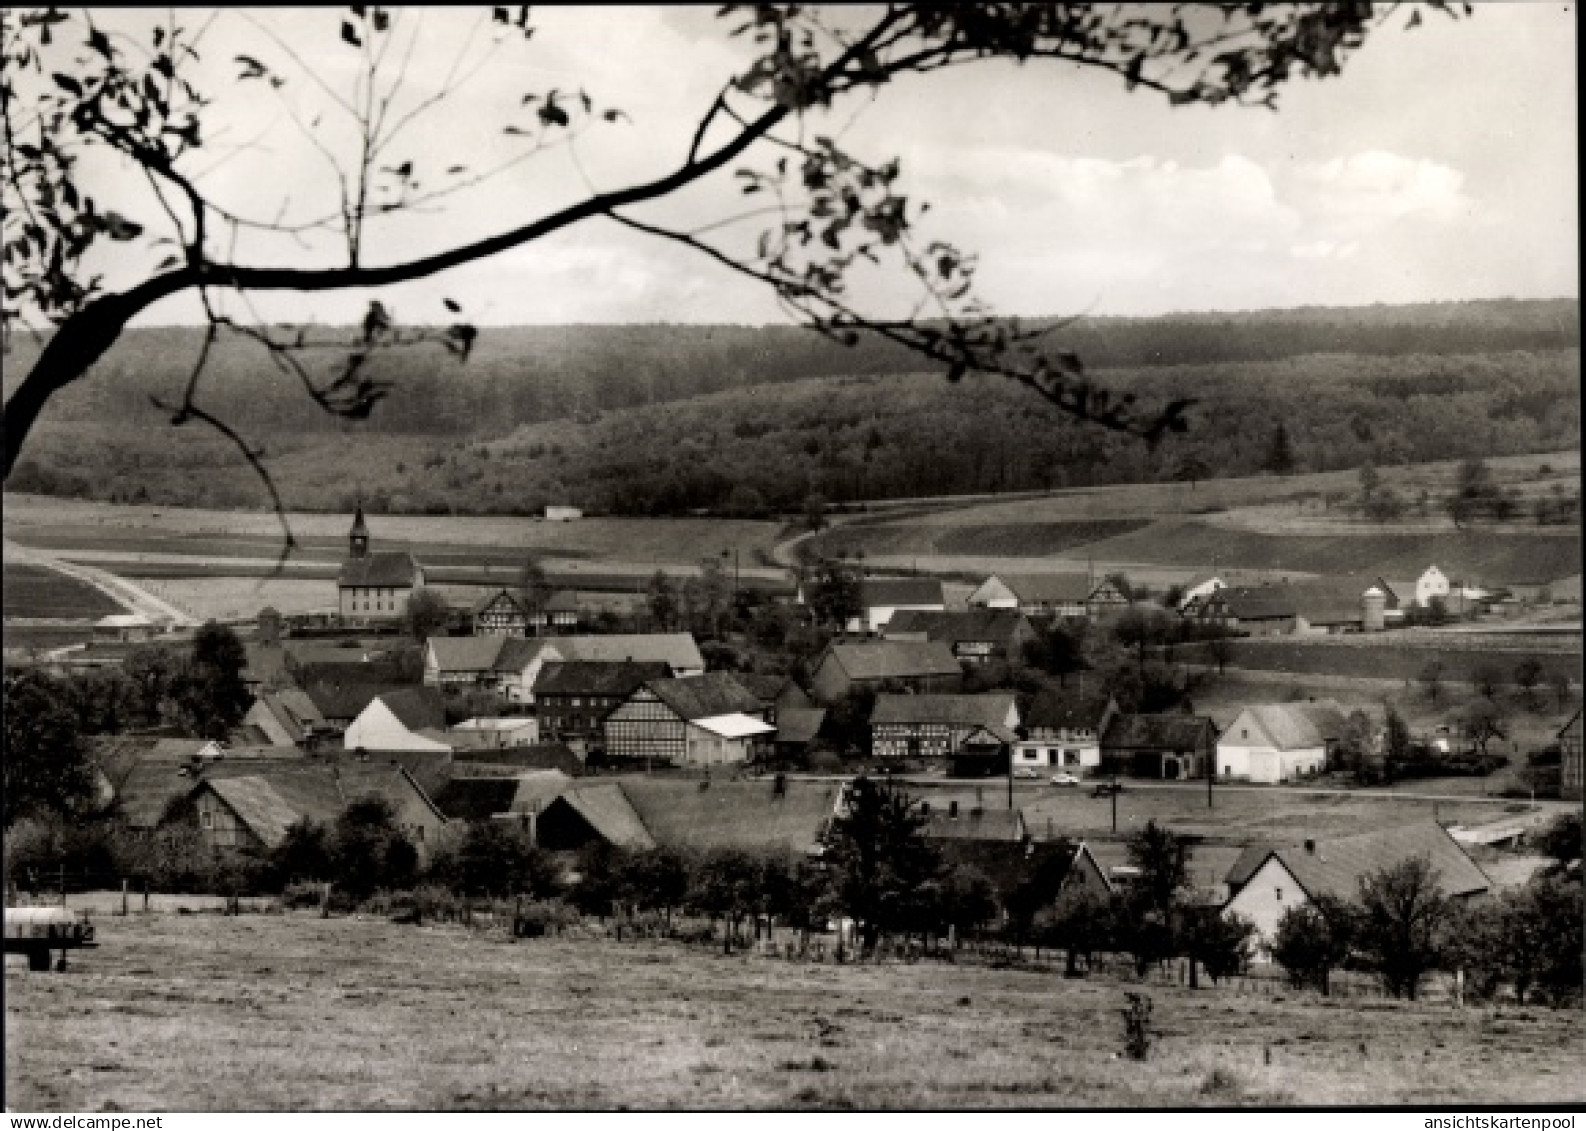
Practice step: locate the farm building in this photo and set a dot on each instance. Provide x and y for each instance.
(254, 811)
(1063, 728)
(517, 665)
(574, 696)
(708, 719)
(340, 692)
(286, 718)
(374, 586)
(780, 691)
(1570, 758)
(1085, 878)
(125, 628)
(591, 814)
(976, 636)
(501, 614)
(1200, 585)
(762, 815)
(462, 661)
(1267, 880)
(1280, 741)
(1048, 595)
(881, 597)
(928, 667)
(562, 513)
(1259, 610)
(397, 720)
(560, 613)
(936, 726)
(500, 733)
(1159, 746)
(797, 729)
(522, 796)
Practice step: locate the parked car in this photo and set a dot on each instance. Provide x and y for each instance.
(1026, 772)
(1064, 778)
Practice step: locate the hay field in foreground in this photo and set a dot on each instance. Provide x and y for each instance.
(204, 1012)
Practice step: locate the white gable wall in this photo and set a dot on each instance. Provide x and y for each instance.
(993, 594)
(1264, 899)
(378, 729)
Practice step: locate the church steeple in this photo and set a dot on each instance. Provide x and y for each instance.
(358, 536)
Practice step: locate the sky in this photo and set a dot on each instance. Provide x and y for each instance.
(1441, 165)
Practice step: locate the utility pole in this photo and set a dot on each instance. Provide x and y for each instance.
(1211, 774)
(1114, 802)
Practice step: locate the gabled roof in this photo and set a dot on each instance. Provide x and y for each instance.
(1049, 588)
(734, 726)
(799, 724)
(877, 592)
(675, 648)
(342, 691)
(429, 769)
(417, 708)
(733, 814)
(391, 569)
(147, 790)
(538, 788)
(293, 709)
(597, 677)
(1297, 726)
(476, 799)
(466, 653)
(1064, 708)
(988, 710)
(277, 797)
(518, 652)
(562, 601)
(703, 696)
(1154, 732)
(516, 605)
(1257, 602)
(1336, 866)
(996, 626)
(894, 659)
(608, 811)
(974, 824)
(769, 688)
(258, 806)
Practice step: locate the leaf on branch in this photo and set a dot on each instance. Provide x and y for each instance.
(118, 227)
(613, 115)
(455, 169)
(68, 84)
(98, 41)
(382, 19)
(452, 306)
(956, 372)
(251, 68)
(168, 262)
(1415, 19)
(350, 35)
(460, 339)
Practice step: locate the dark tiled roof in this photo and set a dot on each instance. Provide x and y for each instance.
(416, 707)
(1061, 708)
(1337, 866)
(390, 569)
(996, 626)
(1049, 588)
(1159, 732)
(342, 691)
(597, 677)
(676, 648)
(476, 799)
(607, 810)
(705, 696)
(894, 659)
(799, 724)
(429, 769)
(544, 756)
(467, 653)
(988, 710)
(562, 601)
(733, 814)
(1260, 602)
(893, 591)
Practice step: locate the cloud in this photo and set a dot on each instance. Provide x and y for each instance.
(1368, 190)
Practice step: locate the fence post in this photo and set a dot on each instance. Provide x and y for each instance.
(63, 884)
(145, 895)
(124, 896)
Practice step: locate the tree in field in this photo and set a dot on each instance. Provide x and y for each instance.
(1223, 944)
(534, 588)
(368, 850)
(1038, 889)
(1432, 680)
(1221, 649)
(878, 859)
(1280, 452)
(1313, 939)
(832, 593)
(1486, 679)
(303, 854)
(210, 689)
(1396, 735)
(46, 765)
(1355, 745)
(660, 594)
(814, 513)
(1528, 677)
(1400, 926)
(148, 104)
(153, 670)
(726, 885)
(656, 880)
(1528, 938)
(1562, 688)
(1370, 482)
(494, 859)
(426, 614)
(1482, 721)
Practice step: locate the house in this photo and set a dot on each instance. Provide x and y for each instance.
(936, 726)
(881, 597)
(1570, 758)
(1085, 878)
(591, 814)
(501, 614)
(1256, 610)
(562, 513)
(1200, 585)
(1048, 595)
(1267, 880)
(504, 797)
(518, 664)
(374, 586)
(780, 691)
(844, 667)
(463, 661)
(395, 720)
(1279, 742)
(797, 728)
(285, 718)
(1063, 728)
(494, 733)
(253, 811)
(559, 613)
(1159, 746)
(125, 628)
(976, 636)
(764, 815)
(1432, 583)
(574, 696)
(708, 719)
(340, 692)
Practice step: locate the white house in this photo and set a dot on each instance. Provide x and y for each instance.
(1045, 595)
(1431, 584)
(392, 721)
(1063, 728)
(1267, 880)
(723, 739)
(497, 733)
(1279, 742)
(1200, 586)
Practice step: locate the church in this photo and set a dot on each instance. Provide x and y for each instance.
(374, 586)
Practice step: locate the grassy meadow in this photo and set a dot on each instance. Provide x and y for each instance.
(40, 592)
(291, 1012)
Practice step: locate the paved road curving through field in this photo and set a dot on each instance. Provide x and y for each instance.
(118, 589)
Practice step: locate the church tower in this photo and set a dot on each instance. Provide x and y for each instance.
(358, 536)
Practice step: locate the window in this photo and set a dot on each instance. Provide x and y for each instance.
(207, 819)
(1277, 894)
(1071, 757)
(1244, 732)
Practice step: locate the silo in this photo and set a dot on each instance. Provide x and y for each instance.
(1374, 605)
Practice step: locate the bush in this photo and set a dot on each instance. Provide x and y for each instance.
(1137, 1032)
(300, 895)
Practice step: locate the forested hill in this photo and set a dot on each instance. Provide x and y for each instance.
(526, 375)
